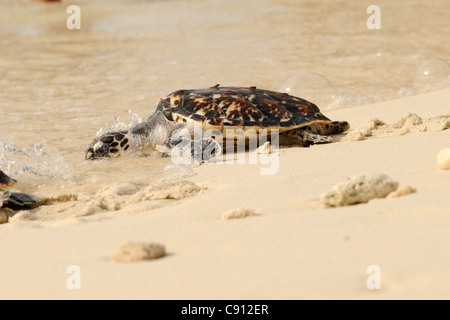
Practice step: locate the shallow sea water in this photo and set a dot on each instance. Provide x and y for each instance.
(59, 87)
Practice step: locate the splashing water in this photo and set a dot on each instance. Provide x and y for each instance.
(121, 126)
(35, 161)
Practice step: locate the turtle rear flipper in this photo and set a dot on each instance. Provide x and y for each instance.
(327, 129)
(18, 201)
(336, 127)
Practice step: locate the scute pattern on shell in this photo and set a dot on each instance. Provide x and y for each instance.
(220, 107)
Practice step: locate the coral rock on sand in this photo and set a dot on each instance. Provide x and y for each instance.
(374, 124)
(359, 189)
(238, 213)
(444, 124)
(364, 131)
(409, 123)
(139, 251)
(408, 120)
(443, 159)
(266, 148)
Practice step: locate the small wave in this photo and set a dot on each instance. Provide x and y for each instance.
(35, 160)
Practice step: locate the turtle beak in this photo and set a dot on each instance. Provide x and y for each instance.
(90, 154)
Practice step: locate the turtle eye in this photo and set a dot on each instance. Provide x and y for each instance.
(101, 150)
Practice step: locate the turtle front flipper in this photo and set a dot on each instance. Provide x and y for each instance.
(207, 148)
(185, 151)
(18, 201)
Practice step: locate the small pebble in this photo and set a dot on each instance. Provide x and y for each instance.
(404, 131)
(443, 159)
(139, 251)
(266, 148)
(445, 124)
(401, 191)
(238, 214)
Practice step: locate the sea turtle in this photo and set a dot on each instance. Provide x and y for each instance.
(15, 200)
(220, 108)
(6, 181)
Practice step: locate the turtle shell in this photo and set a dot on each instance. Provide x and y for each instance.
(224, 108)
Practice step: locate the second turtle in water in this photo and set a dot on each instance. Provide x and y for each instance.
(221, 108)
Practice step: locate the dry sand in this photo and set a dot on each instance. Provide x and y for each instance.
(292, 249)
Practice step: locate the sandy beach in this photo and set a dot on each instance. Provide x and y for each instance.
(291, 249)
(60, 87)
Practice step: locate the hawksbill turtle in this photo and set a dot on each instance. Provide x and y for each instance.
(15, 200)
(220, 108)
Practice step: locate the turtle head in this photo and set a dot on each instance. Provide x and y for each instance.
(109, 145)
(6, 181)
